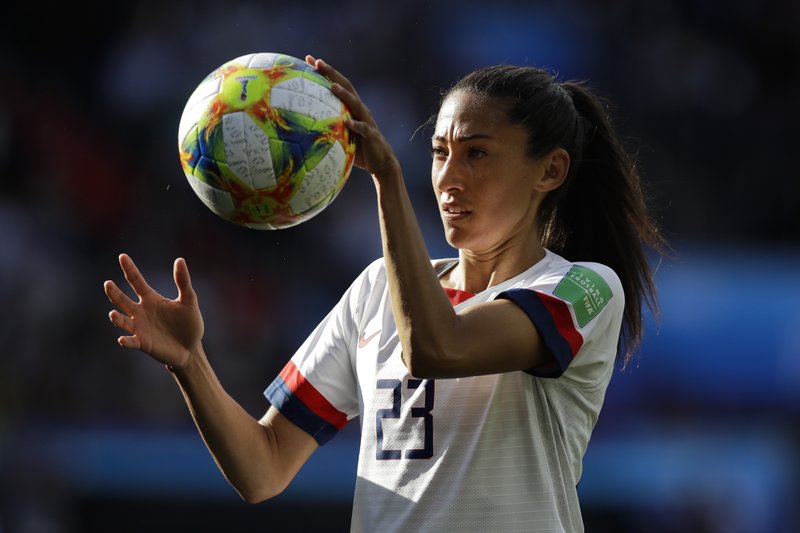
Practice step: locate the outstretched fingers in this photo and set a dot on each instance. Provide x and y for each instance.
(122, 320)
(118, 298)
(130, 341)
(134, 277)
(180, 272)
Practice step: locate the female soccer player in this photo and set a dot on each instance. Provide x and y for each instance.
(478, 379)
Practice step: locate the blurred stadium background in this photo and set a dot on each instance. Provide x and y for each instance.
(700, 433)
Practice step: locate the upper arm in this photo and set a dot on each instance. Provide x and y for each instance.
(539, 330)
(487, 338)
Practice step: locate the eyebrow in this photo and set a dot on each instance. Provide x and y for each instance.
(463, 138)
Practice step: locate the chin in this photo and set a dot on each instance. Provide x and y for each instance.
(457, 241)
(452, 237)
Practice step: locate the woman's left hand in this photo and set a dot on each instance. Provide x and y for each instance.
(374, 153)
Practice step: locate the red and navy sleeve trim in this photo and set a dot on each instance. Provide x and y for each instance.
(553, 320)
(300, 402)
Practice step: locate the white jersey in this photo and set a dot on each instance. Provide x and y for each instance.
(501, 452)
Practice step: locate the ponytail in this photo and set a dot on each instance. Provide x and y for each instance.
(599, 213)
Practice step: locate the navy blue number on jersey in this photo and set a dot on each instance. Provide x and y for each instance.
(395, 385)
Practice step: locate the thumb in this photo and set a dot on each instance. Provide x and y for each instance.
(180, 272)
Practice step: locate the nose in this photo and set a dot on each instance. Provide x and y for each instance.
(448, 175)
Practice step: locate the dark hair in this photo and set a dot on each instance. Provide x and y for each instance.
(599, 213)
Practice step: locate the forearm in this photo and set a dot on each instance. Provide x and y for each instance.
(424, 316)
(243, 449)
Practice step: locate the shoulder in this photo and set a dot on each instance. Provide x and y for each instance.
(597, 281)
(375, 268)
(590, 289)
(587, 287)
(587, 276)
(576, 307)
(373, 276)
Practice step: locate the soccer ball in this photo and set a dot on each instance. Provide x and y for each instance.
(263, 143)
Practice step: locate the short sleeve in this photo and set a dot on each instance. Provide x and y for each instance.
(317, 389)
(578, 315)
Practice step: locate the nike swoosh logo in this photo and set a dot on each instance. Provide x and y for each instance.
(363, 341)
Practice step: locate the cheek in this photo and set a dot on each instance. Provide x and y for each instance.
(513, 202)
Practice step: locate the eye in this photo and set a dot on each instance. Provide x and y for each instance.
(476, 153)
(437, 152)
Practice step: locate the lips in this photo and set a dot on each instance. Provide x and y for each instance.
(453, 211)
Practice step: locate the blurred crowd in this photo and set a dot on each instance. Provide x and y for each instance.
(704, 92)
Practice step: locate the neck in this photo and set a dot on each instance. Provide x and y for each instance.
(477, 272)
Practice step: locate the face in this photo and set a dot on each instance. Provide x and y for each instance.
(488, 188)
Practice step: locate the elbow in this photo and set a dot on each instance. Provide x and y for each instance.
(259, 492)
(411, 364)
(425, 363)
(254, 499)
(431, 353)
(256, 496)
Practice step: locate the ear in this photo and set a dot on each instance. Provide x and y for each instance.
(556, 167)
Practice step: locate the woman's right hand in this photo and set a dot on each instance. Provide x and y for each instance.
(374, 153)
(168, 330)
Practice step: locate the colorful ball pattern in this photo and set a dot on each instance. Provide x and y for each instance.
(263, 143)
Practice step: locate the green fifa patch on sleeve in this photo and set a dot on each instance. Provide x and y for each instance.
(586, 290)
